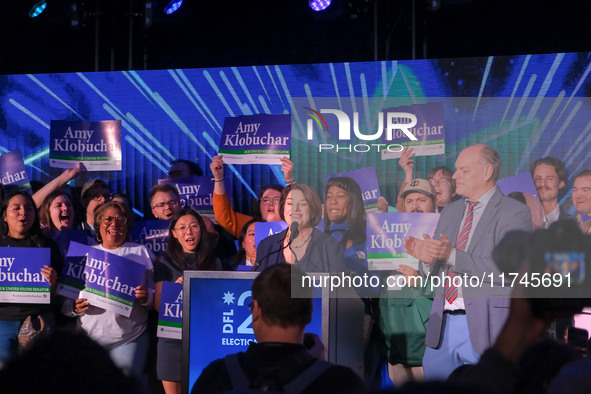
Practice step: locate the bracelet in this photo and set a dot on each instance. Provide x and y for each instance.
(291, 181)
(217, 180)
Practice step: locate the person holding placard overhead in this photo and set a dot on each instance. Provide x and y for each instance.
(126, 338)
(266, 210)
(188, 248)
(19, 227)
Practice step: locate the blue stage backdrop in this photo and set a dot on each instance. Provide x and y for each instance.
(169, 114)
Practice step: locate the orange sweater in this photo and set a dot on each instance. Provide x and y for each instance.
(226, 217)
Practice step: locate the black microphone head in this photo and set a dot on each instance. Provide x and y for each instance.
(294, 230)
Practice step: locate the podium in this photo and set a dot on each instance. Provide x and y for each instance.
(217, 321)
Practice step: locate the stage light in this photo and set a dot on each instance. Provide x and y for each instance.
(38, 9)
(319, 5)
(173, 6)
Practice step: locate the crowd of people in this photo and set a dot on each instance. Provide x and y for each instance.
(422, 334)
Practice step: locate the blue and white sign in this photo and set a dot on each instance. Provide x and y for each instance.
(21, 280)
(256, 139)
(111, 281)
(264, 229)
(96, 144)
(196, 192)
(152, 233)
(170, 315)
(13, 173)
(386, 233)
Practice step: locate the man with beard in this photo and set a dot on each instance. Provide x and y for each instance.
(440, 177)
(419, 196)
(165, 201)
(550, 178)
(403, 312)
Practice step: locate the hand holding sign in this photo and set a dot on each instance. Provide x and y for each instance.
(80, 306)
(141, 294)
(217, 167)
(287, 169)
(407, 163)
(50, 275)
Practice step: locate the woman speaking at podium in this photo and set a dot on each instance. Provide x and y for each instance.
(301, 243)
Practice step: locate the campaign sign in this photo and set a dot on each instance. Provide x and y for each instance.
(386, 233)
(170, 315)
(152, 233)
(96, 144)
(111, 281)
(21, 280)
(13, 173)
(518, 183)
(195, 192)
(264, 229)
(256, 139)
(71, 282)
(223, 324)
(368, 182)
(428, 126)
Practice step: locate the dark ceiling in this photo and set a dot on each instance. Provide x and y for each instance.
(237, 32)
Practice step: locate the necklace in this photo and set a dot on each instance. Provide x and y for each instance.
(303, 242)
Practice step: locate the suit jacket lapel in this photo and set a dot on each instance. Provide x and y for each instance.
(485, 220)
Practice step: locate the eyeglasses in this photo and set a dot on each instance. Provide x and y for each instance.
(119, 220)
(183, 230)
(267, 201)
(250, 305)
(442, 182)
(97, 197)
(170, 203)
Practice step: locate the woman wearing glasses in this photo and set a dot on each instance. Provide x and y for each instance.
(126, 338)
(266, 209)
(189, 248)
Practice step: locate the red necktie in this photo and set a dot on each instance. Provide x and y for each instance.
(451, 291)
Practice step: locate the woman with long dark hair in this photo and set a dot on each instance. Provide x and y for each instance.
(345, 220)
(189, 248)
(20, 228)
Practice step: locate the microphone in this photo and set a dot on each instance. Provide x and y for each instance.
(294, 233)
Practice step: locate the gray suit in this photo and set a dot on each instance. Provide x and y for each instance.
(485, 315)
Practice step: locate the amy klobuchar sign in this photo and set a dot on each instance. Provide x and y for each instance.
(13, 173)
(111, 281)
(256, 139)
(386, 233)
(170, 315)
(195, 192)
(96, 144)
(21, 280)
(426, 122)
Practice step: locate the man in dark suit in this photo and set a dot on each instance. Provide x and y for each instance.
(550, 178)
(465, 320)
